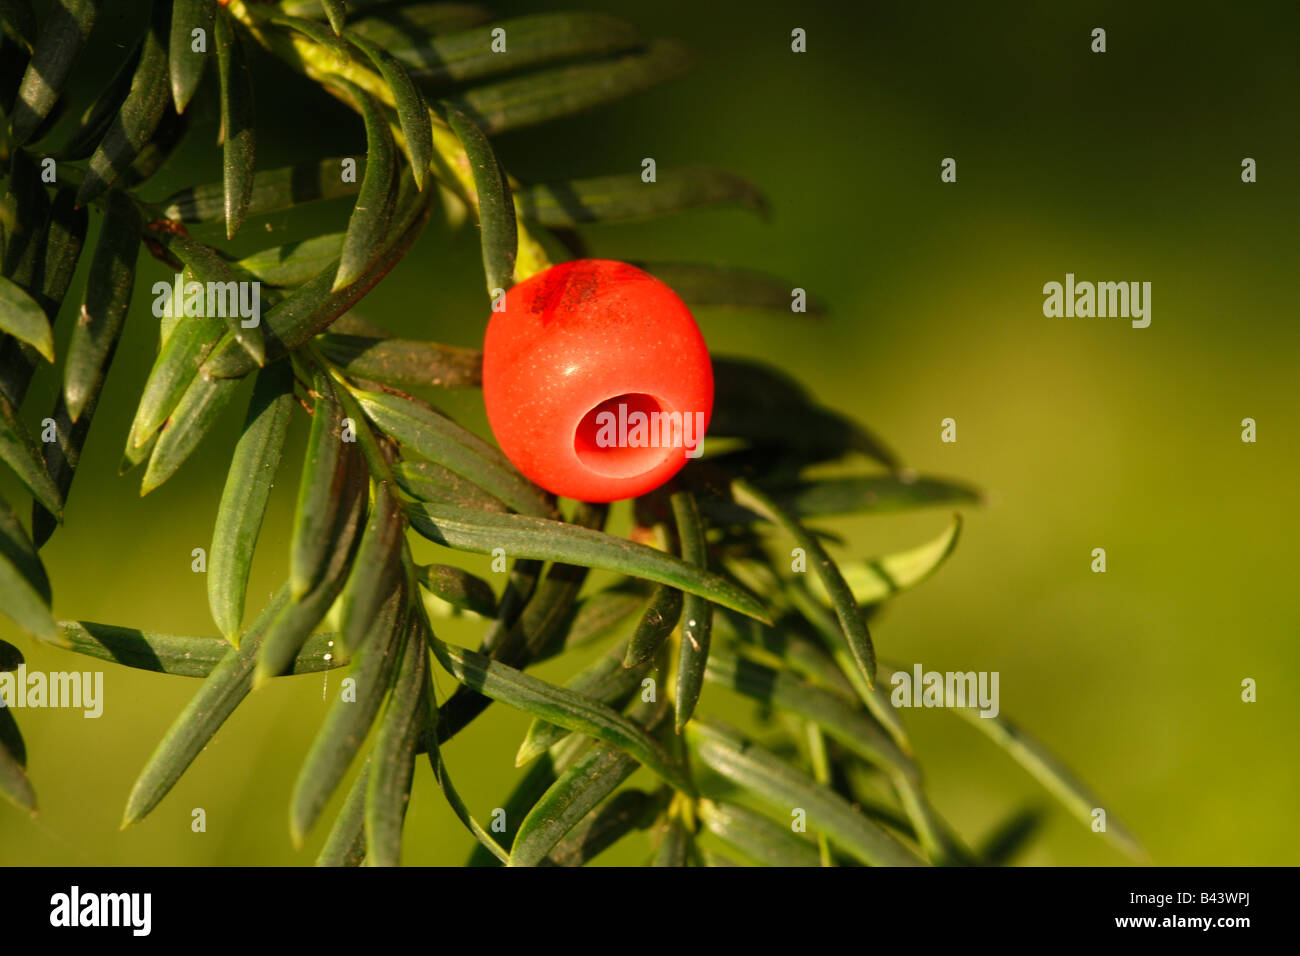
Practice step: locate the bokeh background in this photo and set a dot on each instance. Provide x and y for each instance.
(1085, 432)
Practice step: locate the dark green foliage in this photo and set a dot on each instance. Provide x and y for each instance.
(701, 599)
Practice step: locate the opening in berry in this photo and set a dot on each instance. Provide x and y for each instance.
(625, 436)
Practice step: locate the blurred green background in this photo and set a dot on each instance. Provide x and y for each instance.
(1085, 432)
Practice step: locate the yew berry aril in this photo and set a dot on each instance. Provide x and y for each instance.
(597, 381)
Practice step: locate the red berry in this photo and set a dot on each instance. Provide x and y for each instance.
(597, 382)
